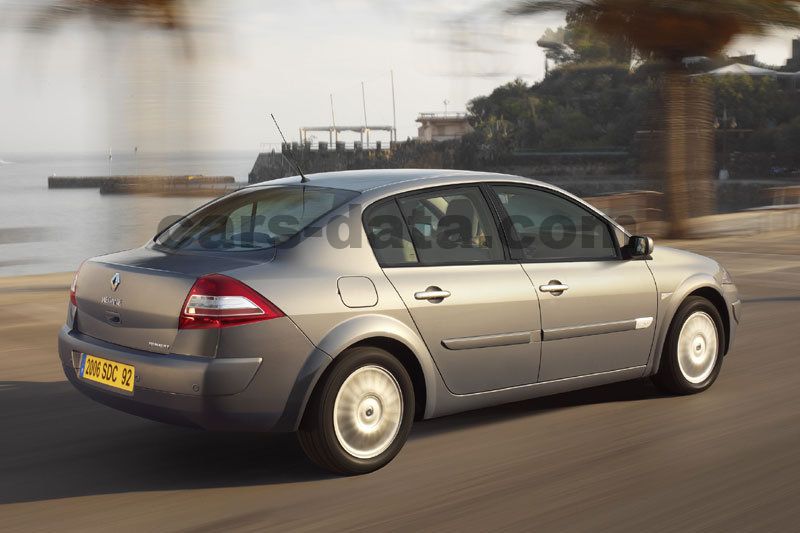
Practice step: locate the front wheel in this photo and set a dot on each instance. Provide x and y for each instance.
(360, 416)
(692, 356)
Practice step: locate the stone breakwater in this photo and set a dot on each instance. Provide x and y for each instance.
(163, 185)
(96, 182)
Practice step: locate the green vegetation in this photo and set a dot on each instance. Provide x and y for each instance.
(605, 105)
(598, 96)
(571, 109)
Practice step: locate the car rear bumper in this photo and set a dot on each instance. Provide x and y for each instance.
(266, 393)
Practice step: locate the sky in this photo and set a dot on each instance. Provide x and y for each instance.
(85, 87)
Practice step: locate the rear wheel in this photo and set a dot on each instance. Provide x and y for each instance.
(692, 356)
(360, 416)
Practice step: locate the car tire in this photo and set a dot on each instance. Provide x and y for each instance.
(360, 415)
(692, 356)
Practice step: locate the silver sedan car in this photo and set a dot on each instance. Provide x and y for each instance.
(344, 306)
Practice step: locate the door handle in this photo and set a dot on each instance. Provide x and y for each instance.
(433, 294)
(555, 287)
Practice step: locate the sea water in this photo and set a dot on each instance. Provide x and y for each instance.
(52, 230)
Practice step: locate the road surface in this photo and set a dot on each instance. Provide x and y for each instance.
(620, 458)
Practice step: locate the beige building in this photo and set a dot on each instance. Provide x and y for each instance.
(436, 127)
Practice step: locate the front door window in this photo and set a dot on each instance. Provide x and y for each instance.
(549, 227)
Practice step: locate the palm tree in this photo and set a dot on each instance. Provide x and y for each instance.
(670, 30)
(165, 14)
(139, 61)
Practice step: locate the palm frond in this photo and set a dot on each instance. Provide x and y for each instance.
(672, 27)
(755, 15)
(534, 7)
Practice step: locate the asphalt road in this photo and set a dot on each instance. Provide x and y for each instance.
(621, 457)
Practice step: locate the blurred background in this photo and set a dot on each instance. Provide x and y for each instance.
(575, 93)
(681, 119)
(150, 93)
(175, 88)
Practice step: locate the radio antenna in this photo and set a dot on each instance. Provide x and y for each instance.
(291, 158)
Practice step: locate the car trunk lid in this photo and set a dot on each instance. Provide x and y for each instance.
(134, 298)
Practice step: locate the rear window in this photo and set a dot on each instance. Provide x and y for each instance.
(253, 219)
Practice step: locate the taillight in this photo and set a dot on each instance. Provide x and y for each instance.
(73, 289)
(217, 301)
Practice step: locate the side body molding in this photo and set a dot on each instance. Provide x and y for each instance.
(596, 329)
(487, 341)
(368, 326)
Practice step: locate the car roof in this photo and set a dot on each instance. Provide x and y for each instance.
(391, 180)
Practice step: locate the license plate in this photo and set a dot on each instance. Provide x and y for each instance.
(111, 373)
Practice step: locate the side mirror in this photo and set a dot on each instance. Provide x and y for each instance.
(639, 247)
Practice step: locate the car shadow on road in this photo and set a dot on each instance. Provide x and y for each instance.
(58, 444)
(628, 391)
(771, 299)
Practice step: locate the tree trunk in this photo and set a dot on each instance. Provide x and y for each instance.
(675, 121)
(702, 149)
(689, 142)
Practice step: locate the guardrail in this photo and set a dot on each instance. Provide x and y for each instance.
(637, 211)
(785, 196)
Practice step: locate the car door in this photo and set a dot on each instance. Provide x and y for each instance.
(597, 309)
(476, 311)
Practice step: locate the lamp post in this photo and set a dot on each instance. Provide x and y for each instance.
(725, 124)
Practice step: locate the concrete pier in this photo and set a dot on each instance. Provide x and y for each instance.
(141, 182)
(171, 188)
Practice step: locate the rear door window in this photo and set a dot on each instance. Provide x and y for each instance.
(452, 226)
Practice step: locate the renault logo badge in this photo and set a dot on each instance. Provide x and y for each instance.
(115, 281)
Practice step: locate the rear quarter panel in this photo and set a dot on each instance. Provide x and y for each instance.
(303, 282)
